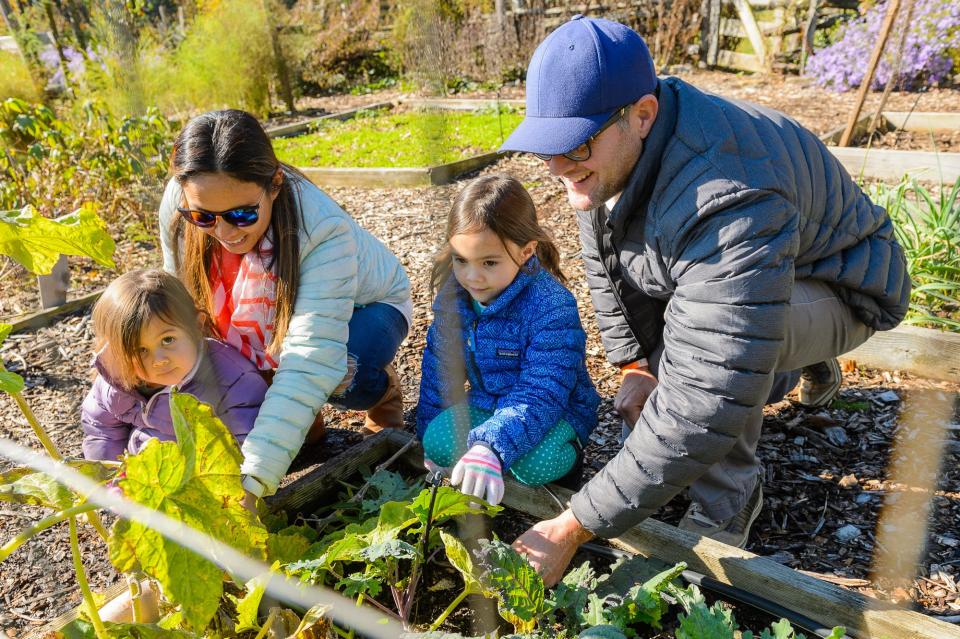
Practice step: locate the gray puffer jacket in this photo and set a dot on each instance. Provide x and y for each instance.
(729, 204)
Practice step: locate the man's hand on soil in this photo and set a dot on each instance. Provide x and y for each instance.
(550, 545)
(635, 388)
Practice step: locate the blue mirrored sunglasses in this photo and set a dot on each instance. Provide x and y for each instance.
(240, 216)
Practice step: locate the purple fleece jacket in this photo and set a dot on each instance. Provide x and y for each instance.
(115, 420)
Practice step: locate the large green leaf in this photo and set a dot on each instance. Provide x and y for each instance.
(394, 518)
(643, 603)
(249, 604)
(28, 486)
(459, 556)
(393, 549)
(198, 484)
(570, 595)
(83, 629)
(9, 382)
(289, 545)
(450, 502)
(388, 486)
(702, 621)
(518, 587)
(37, 242)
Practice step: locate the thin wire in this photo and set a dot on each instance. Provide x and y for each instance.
(341, 610)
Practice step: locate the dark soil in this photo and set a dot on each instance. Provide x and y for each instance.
(809, 456)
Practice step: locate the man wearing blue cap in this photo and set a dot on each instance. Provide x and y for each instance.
(726, 251)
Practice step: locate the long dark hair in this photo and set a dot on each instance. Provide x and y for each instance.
(499, 203)
(233, 143)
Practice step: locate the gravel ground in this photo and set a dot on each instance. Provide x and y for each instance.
(825, 470)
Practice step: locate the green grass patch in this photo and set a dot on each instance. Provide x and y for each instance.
(400, 139)
(15, 79)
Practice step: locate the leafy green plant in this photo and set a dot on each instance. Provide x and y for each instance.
(36, 243)
(408, 139)
(928, 228)
(196, 480)
(56, 165)
(386, 552)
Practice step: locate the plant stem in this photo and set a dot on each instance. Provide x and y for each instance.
(266, 624)
(369, 599)
(446, 613)
(8, 548)
(340, 632)
(82, 582)
(41, 434)
(51, 449)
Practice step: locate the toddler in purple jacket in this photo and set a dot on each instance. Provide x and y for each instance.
(149, 341)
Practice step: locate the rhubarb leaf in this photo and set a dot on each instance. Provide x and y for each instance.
(37, 242)
(196, 481)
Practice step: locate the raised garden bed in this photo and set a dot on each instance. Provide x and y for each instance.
(938, 134)
(819, 601)
(403, 143)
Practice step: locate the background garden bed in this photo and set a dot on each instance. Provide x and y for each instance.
(924, 145)
(405, 143)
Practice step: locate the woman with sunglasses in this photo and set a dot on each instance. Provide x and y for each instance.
(288, 278)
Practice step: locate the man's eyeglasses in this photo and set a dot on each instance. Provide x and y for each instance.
(240, 216)
(582, 153)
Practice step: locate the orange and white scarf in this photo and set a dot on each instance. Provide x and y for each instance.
(245, 301)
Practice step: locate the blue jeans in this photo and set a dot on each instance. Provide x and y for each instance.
(375, 333)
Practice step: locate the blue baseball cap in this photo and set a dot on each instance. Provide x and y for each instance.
(579, 76)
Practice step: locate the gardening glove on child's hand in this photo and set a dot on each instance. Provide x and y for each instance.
(433, 468)
(480, 472)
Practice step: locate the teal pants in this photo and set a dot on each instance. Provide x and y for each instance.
(445, 442)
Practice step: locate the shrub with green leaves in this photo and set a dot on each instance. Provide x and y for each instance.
(55, 164)
(224, 60)
(928, 228)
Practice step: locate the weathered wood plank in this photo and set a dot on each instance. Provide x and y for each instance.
(321, 483)
(833, 137)
(749, 23)
(47, 316)
(55, 625)
(302, 127)
(922, 120)
(893, 165)
(741, 61)
(447, 173)
(391, 177)
(460, 104)
(367, 177)
(819, 600)
(923, 352)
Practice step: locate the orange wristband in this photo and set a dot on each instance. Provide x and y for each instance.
(640, 363)
(639, 366)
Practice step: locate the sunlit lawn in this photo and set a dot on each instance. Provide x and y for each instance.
(404, 139)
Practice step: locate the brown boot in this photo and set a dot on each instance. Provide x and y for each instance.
(388, 412)
(317, 432)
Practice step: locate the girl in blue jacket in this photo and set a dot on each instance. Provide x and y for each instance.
(505, 325)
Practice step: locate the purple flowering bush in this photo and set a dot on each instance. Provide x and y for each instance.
(931, 52)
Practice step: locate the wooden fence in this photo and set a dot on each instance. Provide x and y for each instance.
(748, 35)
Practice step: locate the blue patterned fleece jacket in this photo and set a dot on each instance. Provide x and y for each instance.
(524, 357)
